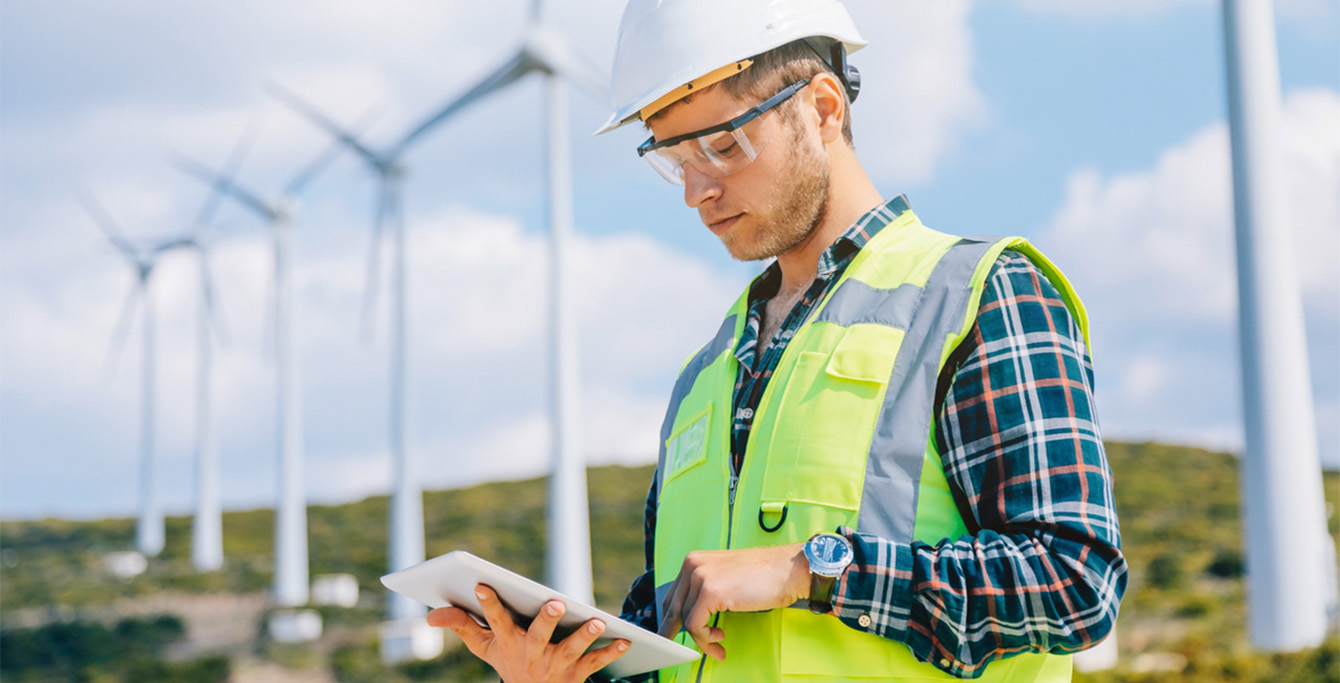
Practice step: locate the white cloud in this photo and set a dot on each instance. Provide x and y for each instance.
(918, 96)
(1152, 253)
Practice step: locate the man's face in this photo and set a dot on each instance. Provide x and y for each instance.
(768, 207)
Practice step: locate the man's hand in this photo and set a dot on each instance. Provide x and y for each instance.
(748, 580)
(523, 655)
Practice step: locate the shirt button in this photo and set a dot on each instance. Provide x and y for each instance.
(944, 663)
(864, 621)
(748, 413)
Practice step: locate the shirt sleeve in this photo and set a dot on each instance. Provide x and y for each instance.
(640, 605)
(1041, 569)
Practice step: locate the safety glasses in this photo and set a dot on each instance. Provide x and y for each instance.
(717, 151)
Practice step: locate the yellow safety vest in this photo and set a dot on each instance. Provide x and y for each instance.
(843, 435)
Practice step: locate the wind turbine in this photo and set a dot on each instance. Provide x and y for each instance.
(568, 554)
(149, 531)
(1290, 572)
(406, 532)
(291, 569)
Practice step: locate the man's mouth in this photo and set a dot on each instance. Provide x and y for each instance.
(718, 227)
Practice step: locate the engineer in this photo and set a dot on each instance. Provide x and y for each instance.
(885, 463)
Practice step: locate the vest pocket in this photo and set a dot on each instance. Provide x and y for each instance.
(687, 447)
(824, 423)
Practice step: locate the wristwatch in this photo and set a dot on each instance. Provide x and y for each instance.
(829, 555)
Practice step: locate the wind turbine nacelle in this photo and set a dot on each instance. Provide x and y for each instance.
(286, 208)
(548, 51)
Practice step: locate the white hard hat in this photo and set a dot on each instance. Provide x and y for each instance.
(666, 45)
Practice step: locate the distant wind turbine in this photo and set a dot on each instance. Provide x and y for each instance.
(149, 531)
(406, 523)
(291, 584)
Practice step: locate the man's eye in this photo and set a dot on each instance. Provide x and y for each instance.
(727, 150)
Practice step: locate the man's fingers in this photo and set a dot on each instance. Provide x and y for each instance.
(595, 660)
(670, 621)
(475, 637)
(541, 630)
(499, 619)
(713, 650)
(575, 645)
(694, 617)
(697, 626)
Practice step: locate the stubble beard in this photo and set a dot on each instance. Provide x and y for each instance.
(794, 212)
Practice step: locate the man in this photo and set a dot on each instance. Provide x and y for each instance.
(885, 464)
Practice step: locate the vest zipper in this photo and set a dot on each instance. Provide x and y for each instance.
(730, 506)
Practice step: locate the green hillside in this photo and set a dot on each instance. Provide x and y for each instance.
(1179, 512)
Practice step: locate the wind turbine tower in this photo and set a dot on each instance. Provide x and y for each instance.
(568, 554)
(1288, 568)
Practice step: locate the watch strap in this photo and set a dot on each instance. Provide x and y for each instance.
(821, 593)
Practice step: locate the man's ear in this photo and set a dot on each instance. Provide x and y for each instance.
(829, 105)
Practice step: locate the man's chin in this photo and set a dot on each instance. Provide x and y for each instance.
(745, 254)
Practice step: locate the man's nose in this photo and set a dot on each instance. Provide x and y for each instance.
(699, 187)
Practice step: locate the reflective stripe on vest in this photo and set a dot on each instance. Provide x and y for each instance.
(842, 436)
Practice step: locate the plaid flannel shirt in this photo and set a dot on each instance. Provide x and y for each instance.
(1042, 570)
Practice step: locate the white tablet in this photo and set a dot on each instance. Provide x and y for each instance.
(451, 579)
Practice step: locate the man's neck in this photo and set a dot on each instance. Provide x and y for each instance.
(850, 195)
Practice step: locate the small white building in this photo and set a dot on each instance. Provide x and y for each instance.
(294, 625)
(338, 590)
(410, 639)
(1100, 657)
(125, 564)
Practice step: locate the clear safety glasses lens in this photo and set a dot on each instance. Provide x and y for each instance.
(716, 155)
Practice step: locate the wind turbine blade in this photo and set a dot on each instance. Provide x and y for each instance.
(234, 162)
(371, 286)
(515, 68)
(99, 214)
(534, 12)
(328, 155)
(225, 186)
(323, 123)
(122, 330)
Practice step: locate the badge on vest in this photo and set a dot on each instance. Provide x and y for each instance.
(688, 446)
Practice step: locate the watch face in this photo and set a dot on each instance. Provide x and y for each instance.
(828, 553)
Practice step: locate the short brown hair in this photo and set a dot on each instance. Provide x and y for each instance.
(776, 69)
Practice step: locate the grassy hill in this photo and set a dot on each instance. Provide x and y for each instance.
(1179, 511)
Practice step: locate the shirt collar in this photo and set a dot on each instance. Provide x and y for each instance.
(851, 241)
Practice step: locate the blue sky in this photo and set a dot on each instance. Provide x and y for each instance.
(1096, 129)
